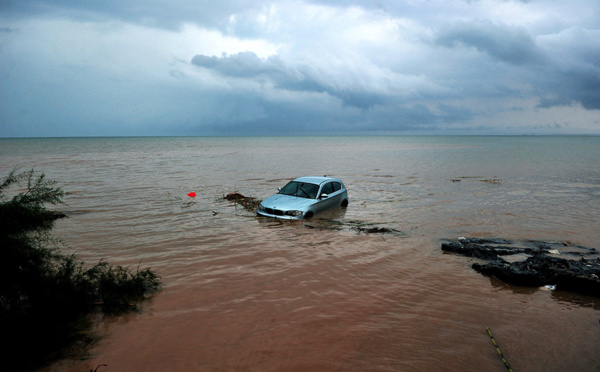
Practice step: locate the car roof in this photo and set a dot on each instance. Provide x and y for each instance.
(316, 179)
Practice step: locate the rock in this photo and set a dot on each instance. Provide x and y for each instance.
(468, 247)
(540, 267)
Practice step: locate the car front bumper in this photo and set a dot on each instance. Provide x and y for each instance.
(276, 213)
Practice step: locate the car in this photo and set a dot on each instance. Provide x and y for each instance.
(304, 197)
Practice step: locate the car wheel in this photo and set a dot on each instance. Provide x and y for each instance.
(345, 203)
(308, 215)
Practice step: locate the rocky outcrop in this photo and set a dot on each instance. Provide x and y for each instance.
(534, 263)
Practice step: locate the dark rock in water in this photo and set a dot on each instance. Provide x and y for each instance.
(546, 263)
(485, 252)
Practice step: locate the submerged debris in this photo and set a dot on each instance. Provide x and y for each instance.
(247, 202)
(377, 230)
(556, 264)
(371, 230)
(359, 227)
(493, 180)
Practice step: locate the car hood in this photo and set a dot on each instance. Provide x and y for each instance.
(287, 202)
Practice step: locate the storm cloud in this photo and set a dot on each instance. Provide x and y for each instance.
(132, 67)
(301, 77)
(501, 42)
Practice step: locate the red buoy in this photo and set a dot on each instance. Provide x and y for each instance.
(192, 194)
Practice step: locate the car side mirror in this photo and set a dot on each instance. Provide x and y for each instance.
(324, 196)
(279, 189)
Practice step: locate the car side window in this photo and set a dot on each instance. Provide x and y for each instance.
(327, 188)
(336, 186)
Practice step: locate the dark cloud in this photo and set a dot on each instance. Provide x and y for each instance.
(243, 64)
(504, 43)
(292, 119)
(571, 87)
(302, 77)
(562, 73)
(573, 74)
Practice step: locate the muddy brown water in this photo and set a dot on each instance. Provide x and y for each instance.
(250, 294)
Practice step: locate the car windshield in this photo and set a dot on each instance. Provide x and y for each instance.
(301, 189)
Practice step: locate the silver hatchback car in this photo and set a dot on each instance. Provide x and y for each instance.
(304, 197)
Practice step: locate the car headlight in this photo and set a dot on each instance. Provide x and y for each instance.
(261, 208)
(294, 213)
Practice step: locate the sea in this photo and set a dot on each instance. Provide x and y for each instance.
(243, 293)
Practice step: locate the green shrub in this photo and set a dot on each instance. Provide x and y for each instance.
(45, 296)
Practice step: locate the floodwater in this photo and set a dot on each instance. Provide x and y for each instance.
(249, 294)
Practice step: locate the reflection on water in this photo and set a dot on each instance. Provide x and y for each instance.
(244, 293)
(576, 300)
(567, 298)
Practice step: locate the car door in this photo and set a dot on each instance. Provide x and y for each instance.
(330, 201)
(338, 194)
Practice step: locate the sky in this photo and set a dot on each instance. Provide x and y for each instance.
(299, 67)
